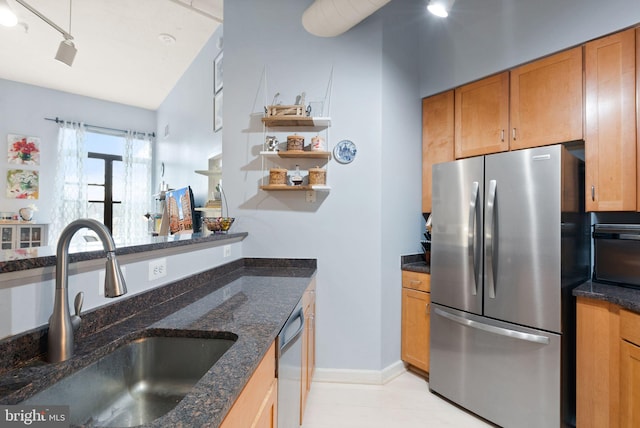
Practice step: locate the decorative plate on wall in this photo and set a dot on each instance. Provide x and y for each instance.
(345, 151)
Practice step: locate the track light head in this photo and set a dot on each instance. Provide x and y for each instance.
(66, 52)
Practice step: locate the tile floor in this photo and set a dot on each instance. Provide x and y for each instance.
(404, 402)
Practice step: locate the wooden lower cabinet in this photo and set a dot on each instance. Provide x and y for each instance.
(308, 345)
(257, 405)
(629, 369)
(416, 306)
(607, 365)
(629, 385)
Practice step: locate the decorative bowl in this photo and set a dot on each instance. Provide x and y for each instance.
(218, 224)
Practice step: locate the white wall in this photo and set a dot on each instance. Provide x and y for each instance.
(188, 113)
(483, 37)
(372, 214)
(22, 111)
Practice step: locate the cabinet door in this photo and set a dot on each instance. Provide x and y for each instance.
(597, 363)
(482, 116)
(546, 101)
(629, 385)
(437, 138)
(308, 346)
(610, 119)
(416, 306)
(256, 406)
(8, 233)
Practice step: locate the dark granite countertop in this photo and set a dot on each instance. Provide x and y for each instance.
(38, 257)
(625, 297)
(248, 298)
(415, 263)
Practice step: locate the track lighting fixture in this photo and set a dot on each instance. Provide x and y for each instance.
(66, 51)
(440, 8)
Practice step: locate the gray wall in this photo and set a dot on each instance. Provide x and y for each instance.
(187, 112)
(372, 214)
(483, 37)
(23, 109)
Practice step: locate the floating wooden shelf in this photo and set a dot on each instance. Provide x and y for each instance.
(298, 154)
(296, 188)
(297, 121)
(209, 172)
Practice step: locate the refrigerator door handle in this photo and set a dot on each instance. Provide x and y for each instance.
(471, 236)
(489, 238)
(535, 338)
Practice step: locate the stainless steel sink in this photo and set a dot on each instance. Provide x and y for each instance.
(136, 383)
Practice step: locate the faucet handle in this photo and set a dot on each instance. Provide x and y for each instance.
(77, 304)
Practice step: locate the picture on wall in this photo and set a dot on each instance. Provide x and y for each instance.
(23, 150)
(22, 184)
(217, 112)
(217, 73)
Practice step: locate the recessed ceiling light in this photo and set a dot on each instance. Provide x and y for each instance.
(167, 39)
(7, 17)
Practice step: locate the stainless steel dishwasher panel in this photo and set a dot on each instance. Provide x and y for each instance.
(505, 373)
(290, 369)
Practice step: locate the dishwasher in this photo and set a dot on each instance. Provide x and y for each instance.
(289, 369)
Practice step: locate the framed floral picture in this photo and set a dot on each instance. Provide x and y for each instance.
(22, 184)
(23, 150)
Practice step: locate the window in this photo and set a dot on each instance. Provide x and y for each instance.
(105, 177)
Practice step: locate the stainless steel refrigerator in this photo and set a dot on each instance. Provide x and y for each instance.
(510, 240)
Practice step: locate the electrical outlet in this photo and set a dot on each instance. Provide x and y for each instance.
(157, 269)
(226, 251)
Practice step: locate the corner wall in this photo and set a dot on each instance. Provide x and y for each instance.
(268, 51)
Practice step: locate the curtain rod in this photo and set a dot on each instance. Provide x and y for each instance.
(124, 131)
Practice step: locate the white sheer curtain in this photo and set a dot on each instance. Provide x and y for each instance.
(70, 191)
(131, 223)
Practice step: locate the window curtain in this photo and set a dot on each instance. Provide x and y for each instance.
(70, 186)
(132, 225)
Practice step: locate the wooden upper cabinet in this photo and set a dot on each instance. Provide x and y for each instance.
(437, 138)
(546, 101)
(610, 119)
(482, 116)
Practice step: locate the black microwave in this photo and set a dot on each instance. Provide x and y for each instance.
(617, 253)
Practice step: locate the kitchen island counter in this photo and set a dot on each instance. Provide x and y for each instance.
(625, 297)
(248, 298)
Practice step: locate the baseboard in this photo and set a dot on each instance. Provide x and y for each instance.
(370, 377)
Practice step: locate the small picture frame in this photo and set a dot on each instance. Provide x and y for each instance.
(217, 74)
(217, 112)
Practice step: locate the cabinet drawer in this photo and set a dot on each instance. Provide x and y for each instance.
(630, 326)
(416, 280)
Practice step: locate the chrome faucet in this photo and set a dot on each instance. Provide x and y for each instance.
(61, 324)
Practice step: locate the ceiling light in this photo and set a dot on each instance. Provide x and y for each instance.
(66, 50)
(167, 39)
(7, 17)
(440, 8)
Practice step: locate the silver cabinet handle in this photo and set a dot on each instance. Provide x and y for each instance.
(536, 338)
(489, 239)
(471, 235)
(513, 134)
(415, 282)
(593, 192)
(502, 135)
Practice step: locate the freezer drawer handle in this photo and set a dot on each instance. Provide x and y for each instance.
(471, 236)
(493, 329)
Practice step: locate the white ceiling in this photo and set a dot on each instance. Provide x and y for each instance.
(120, 55)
